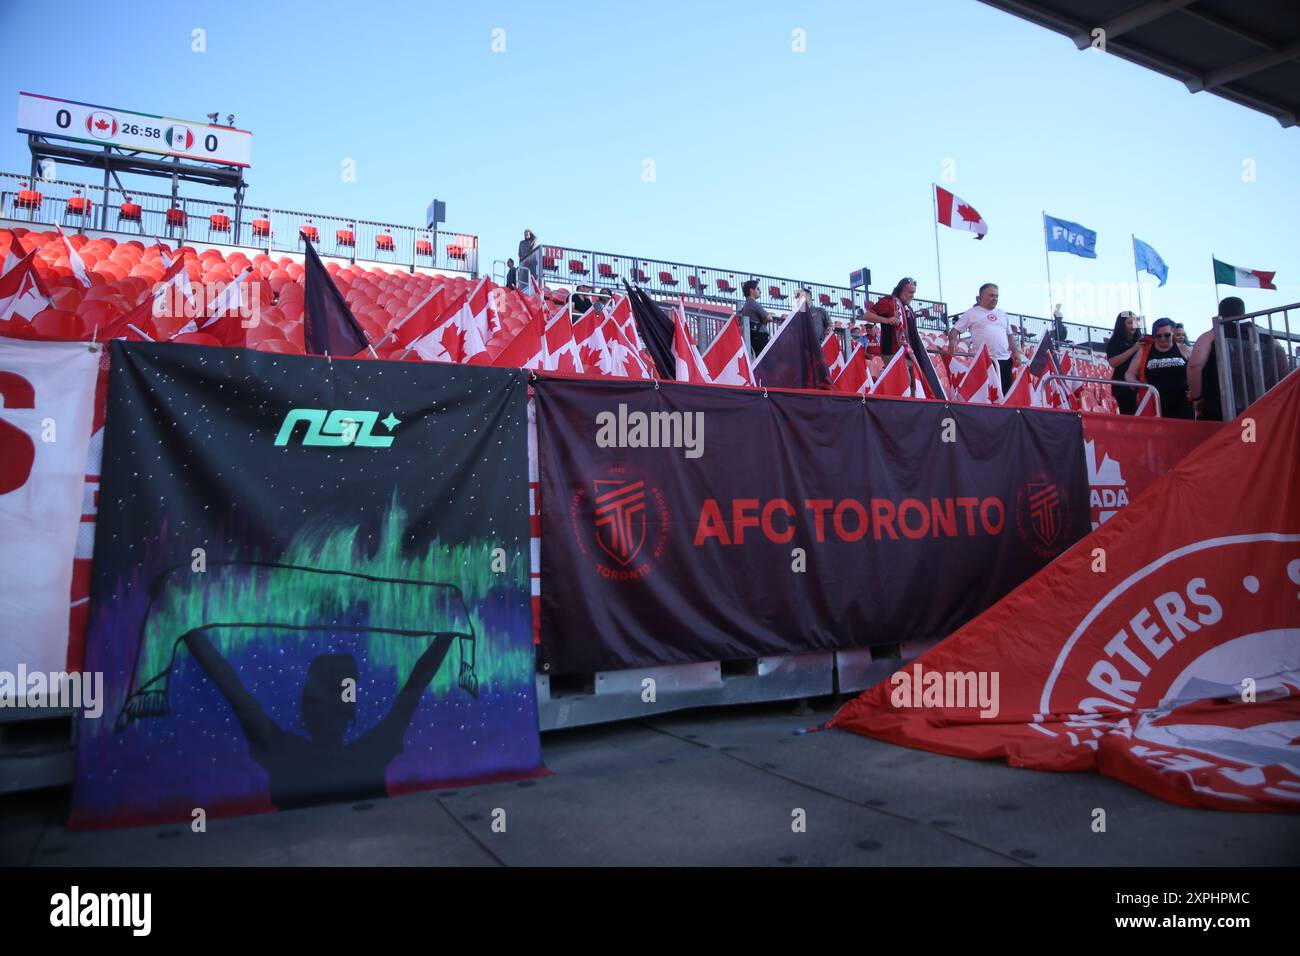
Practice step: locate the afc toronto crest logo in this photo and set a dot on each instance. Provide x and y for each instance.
(620, 521)
(1040, 515)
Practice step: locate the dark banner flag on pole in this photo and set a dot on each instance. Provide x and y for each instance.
(328, 326)
(793, 358)
(656, 331)
(688, 524)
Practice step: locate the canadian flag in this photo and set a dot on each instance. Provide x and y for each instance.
(22, 294)
(422, 319)
(75, 262)
(893, 381)
(561, 350)
(834, 354)
(853, 377)
(228, 300)
(14, 254)
(589, 336)
(1022, 394)
(620, 310)
(525, 350)
(982, 383)
(690, 367)
(1147, 405)
(174, 295)
(726, 361)
(955, 212)
(625, 359)
(457, 338)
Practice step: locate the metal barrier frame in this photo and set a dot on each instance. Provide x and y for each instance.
(1256, 377)
(1108, 381)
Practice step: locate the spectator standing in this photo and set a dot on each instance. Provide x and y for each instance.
(894, 312)
(579, 303)
(530, 257)
(990, 327)
(510, 273)
(755, 315)
(1124, 343)
(1180, 339)
(1162, 365)
(1203, 366)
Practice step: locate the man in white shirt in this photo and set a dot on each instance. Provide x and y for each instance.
(990, 327)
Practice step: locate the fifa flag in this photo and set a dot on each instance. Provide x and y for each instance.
(1146, 259)
(1225, 274)
(1062, 235)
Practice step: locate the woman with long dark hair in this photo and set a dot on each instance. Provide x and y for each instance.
(1124, 343)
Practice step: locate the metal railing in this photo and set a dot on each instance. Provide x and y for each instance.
(1251, 361)
(1112, 382)
(664, 278)
(154, 215)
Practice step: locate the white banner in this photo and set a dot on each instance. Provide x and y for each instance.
(47, 396)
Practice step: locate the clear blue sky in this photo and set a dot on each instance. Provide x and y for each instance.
(767, 160)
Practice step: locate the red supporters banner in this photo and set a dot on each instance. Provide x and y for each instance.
(682, 523)
(1163, 649)
(1126, 454)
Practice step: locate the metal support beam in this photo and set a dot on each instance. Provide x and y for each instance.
(1139, 16)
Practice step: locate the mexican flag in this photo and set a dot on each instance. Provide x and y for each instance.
(1225, 274)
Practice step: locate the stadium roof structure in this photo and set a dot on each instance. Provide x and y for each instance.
(1248, 53)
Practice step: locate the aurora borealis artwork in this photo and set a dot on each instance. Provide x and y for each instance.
(310, 584)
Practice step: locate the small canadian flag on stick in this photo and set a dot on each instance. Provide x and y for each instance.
(957, 213)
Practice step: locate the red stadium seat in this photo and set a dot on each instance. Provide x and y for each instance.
(261, 228)
(456, 252)
(346, 237)
(666, 278)
(384, 242)
(695, 284)
(639, 276)
(78, 205)
(219, 221)
(176, 217)
(550, 263)
(577, 267)
(129, 211)
(28, 198)
(605, 270)
(847, 303)
(725, 286)
(775, 292)
(824, 299)
(309, 232)
(423, 247)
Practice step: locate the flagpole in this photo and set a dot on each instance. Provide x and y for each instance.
(934, 204)
(1048, 260)
(1137, 276)
(1215, 272)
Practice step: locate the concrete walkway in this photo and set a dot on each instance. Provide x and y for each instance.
(706, 787)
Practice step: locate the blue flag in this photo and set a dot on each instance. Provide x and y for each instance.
(1148, 260)
(1065, 236)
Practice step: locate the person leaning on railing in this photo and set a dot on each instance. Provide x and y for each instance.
(1162, 365)
(895, 314)
(755, 315)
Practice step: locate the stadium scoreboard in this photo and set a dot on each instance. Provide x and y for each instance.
(128, 129)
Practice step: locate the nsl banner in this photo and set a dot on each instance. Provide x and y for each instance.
(47, 392)
(310, 584)
(682, 523)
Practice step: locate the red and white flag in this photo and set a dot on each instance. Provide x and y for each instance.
(955, 212)
(726, 361)
(422, 319)
(15, 254)
(1021, 393)
(982, 383)
(457, 337)
(173, 295)
(22, 294)
(690, 367)
(893, 381)
(75, 262)
(561, 351)
(625, 359)
(525, 350)
(834, 354)
(854, 377)
(620, 310)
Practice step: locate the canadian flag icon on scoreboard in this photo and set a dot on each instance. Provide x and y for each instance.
(180, 138)
(101, 125)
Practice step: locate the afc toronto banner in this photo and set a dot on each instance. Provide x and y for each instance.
(683, 524)
(310, 584)
(1162, 650)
